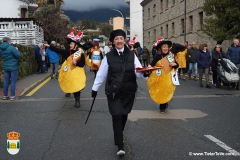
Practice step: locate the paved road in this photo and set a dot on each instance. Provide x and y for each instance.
(51, 128)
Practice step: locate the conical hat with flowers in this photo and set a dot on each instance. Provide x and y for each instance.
(75, 38)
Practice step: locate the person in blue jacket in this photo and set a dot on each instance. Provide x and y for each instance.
(53, 59)
(204, 61)
(10, 56)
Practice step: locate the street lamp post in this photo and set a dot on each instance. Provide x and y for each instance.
(118, 22)
(118, 11)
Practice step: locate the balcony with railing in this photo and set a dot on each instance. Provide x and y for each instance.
(22, 32)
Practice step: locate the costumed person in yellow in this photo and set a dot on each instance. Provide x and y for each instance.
(162, 82)
(88, 62)
(118, 68)
(95, 57)
(72, 77)
(182, 61)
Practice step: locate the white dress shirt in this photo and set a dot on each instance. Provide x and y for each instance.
(103, 71)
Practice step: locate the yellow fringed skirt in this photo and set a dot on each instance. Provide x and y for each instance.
(71, 79)
(161, 87)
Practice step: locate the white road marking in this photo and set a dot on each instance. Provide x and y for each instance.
(141, 91)
(223, 145)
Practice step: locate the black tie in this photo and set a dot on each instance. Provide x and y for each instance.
(121, 54)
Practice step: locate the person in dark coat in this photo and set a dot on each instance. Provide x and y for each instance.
(204, 63)
(233, 53)
(217, 55)
(10, 56)
(38, 57)
(191, 54)
(154, 51)
(120, 105)
(145, 56)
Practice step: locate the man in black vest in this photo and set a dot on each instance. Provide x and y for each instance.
(120, 105)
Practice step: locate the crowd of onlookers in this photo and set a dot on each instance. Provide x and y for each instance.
(196, 60)
(48, 59)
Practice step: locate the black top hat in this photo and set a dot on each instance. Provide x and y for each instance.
(69, 40)
(87, 45)
(161, 41)
(176, 47)
(117, 32)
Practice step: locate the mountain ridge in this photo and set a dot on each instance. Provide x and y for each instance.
(99, 15)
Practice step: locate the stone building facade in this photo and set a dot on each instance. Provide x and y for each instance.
(136, 20)
(166, 18)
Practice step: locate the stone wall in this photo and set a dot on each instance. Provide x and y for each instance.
(165, 18)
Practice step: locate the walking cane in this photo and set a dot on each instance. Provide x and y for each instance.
(90, 110)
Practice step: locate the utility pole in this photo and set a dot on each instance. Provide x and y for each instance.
(185, 20)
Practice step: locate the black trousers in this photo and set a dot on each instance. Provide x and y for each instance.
(215, 76)
(163, 106)
(95, 72)
(77, 94)
(145, 62)
(119, 122)
(39, 66)
(182, 69)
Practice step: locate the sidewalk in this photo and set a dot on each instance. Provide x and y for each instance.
(27, 83)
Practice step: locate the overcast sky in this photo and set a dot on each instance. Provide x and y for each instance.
(86, 5)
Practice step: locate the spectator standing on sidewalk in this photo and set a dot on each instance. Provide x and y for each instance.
(191, 55)
(154, 51)
(54, 60)
(43, 53)
(10, 56)
(38, 57)
(204, 62)
(217, 55)
(233, 53)
(145, 56)
(139, 51)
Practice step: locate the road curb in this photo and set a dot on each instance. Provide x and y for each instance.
(33, 85)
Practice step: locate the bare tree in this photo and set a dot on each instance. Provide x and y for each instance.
(54, 26)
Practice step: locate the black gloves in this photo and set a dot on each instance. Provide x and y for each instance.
(94, 93)
(147, 73)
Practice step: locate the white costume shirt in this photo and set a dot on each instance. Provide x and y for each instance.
(103, 71)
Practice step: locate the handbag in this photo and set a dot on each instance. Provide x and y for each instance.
(115, 87)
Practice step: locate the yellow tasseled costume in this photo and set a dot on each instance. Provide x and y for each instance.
(87, 61)
(181, 59)
(161, 88)
(71, 79)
